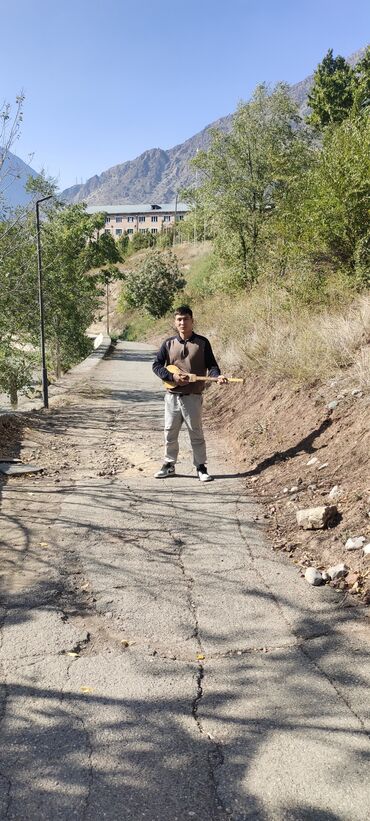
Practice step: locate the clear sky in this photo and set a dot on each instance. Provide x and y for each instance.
(105, 80)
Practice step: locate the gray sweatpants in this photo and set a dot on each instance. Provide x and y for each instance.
(188, 409)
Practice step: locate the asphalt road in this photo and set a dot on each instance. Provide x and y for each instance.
(159, 661)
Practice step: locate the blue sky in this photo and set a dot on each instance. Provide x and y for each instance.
(105, 81)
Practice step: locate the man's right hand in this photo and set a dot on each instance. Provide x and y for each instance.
(180, 378)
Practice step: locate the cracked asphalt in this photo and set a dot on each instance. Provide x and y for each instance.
(158, 660)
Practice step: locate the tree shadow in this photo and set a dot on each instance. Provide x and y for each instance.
(305, 445)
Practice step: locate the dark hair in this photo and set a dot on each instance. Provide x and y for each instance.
(184, 309)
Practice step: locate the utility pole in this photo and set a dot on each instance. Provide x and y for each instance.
(107, 295)
(41, 306)
(175, 226)
(195, 209)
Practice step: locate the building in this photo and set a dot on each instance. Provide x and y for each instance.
(128, 219)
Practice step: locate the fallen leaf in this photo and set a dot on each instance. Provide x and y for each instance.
(200, 656)
(72, 653)
(86, 689)
(44, 544)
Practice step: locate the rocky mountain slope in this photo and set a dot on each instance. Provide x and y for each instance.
(14, 174)
(156, 175)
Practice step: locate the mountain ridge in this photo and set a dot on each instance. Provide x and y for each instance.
(157, 174)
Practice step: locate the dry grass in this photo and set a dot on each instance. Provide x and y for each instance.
(266, 330)
(260, 332)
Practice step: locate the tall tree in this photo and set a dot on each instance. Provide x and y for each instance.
(361, 83)
(331, 96)
(336, 210)
(247, 173)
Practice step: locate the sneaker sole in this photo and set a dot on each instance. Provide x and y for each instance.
(166, 476)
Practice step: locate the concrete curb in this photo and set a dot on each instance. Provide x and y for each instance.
(102, 345)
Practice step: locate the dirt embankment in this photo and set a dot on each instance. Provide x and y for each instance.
(273, 431)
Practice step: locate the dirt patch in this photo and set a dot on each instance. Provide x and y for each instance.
(273, 431)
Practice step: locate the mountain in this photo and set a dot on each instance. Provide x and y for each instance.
(157, 175)
(14, 174)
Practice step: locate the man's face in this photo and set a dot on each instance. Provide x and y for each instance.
(184, 325)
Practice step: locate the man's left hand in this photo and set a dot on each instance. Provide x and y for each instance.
(222, 380)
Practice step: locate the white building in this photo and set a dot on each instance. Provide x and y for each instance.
(127, 219)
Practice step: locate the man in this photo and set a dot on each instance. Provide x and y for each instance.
(192, 353)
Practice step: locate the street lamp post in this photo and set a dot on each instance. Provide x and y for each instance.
(41, 306)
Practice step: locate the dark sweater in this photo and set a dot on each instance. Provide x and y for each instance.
(192, 355)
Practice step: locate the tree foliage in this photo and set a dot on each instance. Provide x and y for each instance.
(361, 93)
(71, 297)
(335, 211)
(249, 174)
(331, 96)
(154, 285)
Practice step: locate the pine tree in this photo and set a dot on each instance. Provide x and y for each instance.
(361, 91)
(331, 96)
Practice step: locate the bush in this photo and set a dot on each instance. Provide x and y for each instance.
(154, 285)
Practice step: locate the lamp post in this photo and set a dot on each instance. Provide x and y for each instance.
(175, 223)
(41, 306)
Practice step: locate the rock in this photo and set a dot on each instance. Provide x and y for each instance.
(313, 576)
(354, 544)
(326, 576)
(317, 518)
(312, 461)
(332, 405)
(366, 549)
(312, 487)
(334, 493)
(285, 490)
(338, 571)
(324, 465)
(356, 392)
(293, 489)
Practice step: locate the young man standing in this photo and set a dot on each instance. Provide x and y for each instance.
(192, 353)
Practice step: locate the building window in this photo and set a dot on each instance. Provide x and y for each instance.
(181, 216)
(154, 219)
(107, 219)
(154, 230)
(118, 219)
(130, 219)
(167, 218)
(118, 232)
(141, 219)
(142, 230)
(130, 230)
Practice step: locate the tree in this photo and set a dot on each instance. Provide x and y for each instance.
(10, 124)
(142, 240)
(106, 276)
(71, 298)
(336, 210)
(154, 285)
(247, 173)
(331, 96)
(361, 83)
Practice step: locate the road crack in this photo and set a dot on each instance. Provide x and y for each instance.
(215, 757)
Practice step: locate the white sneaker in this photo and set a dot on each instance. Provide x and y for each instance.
(168, 469)
(203, 474)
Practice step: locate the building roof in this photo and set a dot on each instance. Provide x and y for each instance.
(138, 208)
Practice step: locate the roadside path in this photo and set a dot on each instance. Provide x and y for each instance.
(161, 662)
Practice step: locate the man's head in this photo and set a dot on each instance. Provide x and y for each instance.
(184, 321)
